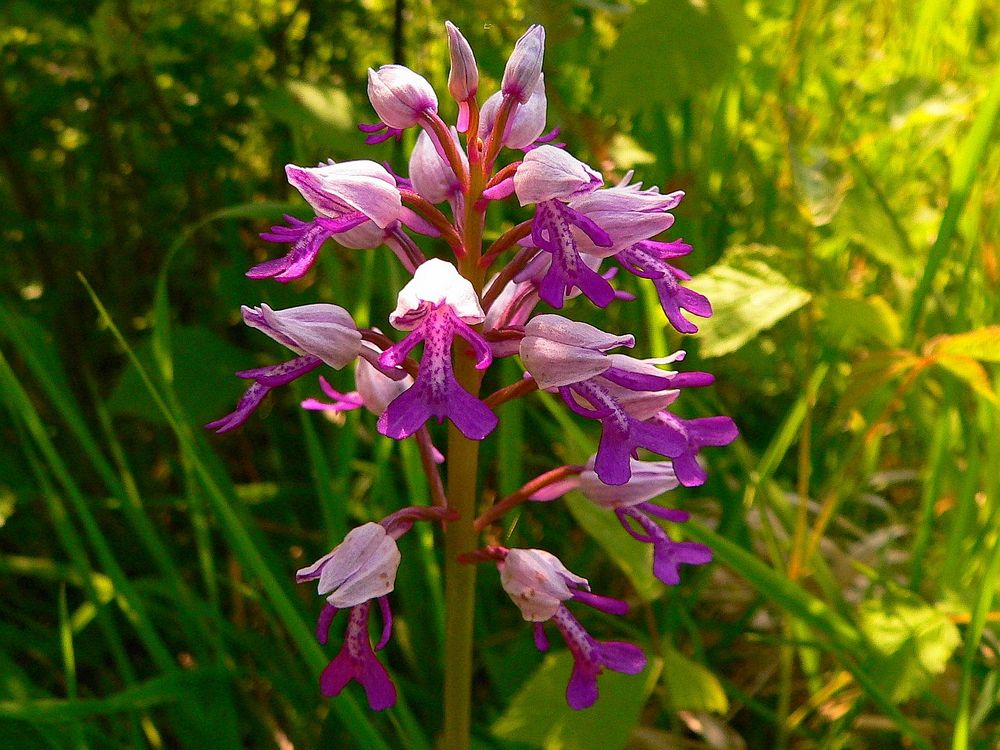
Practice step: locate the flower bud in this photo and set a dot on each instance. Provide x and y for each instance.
(524, 65)
(360, 568)
(324, 331)
(537, 582)
(399, 95)
(526, 122)
(463, 78)
(433, 178)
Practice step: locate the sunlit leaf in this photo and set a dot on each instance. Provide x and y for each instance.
(914, 640)
(538, 714)
(746, 300)
(982, 344)
(691, 687)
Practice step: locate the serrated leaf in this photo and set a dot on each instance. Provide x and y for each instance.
(914, 641)
(690, 686)
(642, 70)
(538, 714)
(982, 344)
(746, 300)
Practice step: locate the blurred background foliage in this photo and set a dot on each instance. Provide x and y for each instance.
(841, 167)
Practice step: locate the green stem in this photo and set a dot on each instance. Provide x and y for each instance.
(461, 535)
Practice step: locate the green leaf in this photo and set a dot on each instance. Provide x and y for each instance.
(642, 69)
(982, 344)
(849, 321)
(913, 640)
(690, 686)
(538, 714)
(199, 356)
(748, 296)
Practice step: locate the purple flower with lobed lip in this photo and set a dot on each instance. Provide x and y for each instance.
(357, 203)
(437, 305)
(359, 569)
(538, 583)
(572, 357)
(647, 259)
(320, 333)
(552, 178)
(630, 503)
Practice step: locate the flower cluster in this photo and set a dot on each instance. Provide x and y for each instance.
(463, 324)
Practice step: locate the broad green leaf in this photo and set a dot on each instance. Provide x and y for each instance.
(982, 344)
(538, 714)
(913, 640)
(969, 370)
(849, 321)
(199, 357)
(690, 686)
(746, 299)
(644, 69)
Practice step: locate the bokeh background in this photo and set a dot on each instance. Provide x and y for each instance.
(841, 168)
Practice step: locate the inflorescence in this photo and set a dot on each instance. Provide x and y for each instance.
(488, 300)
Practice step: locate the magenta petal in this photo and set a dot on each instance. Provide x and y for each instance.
(626, 658)
(541, 640)
(582, 689)
(336, 675)
(323, 623)
(379, 690)
(386, 610)
(244, 408)
(669, 555)
(605, 604)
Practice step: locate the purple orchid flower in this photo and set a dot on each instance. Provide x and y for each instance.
(319, 333)
(437, 305)
(551, 178)
(538, 583)
(359, 569)
(647, 259)
(357, 203)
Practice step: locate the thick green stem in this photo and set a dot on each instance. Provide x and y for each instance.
(461, 535)
(460, 579)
